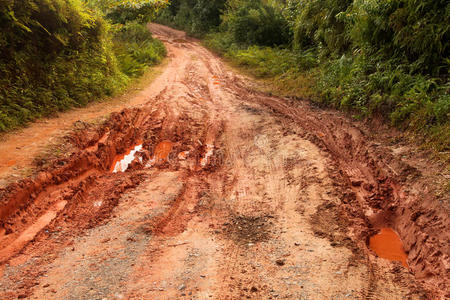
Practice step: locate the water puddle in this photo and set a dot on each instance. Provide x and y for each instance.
(183, 155)
(11, 163)
(208, 154)
(122, 162)
(387, 244)
(162, 152)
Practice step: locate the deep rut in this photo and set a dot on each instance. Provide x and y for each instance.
(234, 195)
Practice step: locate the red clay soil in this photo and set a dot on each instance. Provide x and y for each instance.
(235, 194)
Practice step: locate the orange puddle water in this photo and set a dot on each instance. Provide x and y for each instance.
(387, 244)
(209, 152)
(122, 162)
(183, 155)
(163, 150)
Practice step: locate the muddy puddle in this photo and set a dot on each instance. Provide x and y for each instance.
(122, 162)
(161, 153)
(163, 150)
(209, 152)
(387, 244)
(183, 155)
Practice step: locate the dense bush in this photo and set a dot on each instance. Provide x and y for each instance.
(124, 14)
(316, 23)
(55, 54)
(398, 63)
(253, 22)
(414, 32)
(136, 49)
(197, 17)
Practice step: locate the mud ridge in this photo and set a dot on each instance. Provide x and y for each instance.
(378, 186)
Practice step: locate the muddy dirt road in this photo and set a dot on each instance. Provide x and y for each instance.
(211, 190)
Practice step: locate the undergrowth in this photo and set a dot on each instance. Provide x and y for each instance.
(136, 49)
(58, 54)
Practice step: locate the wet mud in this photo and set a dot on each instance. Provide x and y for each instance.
(379, 190)
(387, 244)
(271, 184)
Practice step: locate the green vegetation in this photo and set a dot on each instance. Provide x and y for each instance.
(196, 17)
(136, 49)
(57, 54)
(373, 58)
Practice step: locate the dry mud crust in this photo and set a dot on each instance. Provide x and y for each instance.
(234, 195)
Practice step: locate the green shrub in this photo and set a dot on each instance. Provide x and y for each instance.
(253, 22)
(55, 54)
(315, 23)
(415, 32)
(196, 17)
(271, 62)
(136, 49)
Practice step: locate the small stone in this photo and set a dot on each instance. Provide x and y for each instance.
(280, 262)
(253, 289)
(181, 287)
